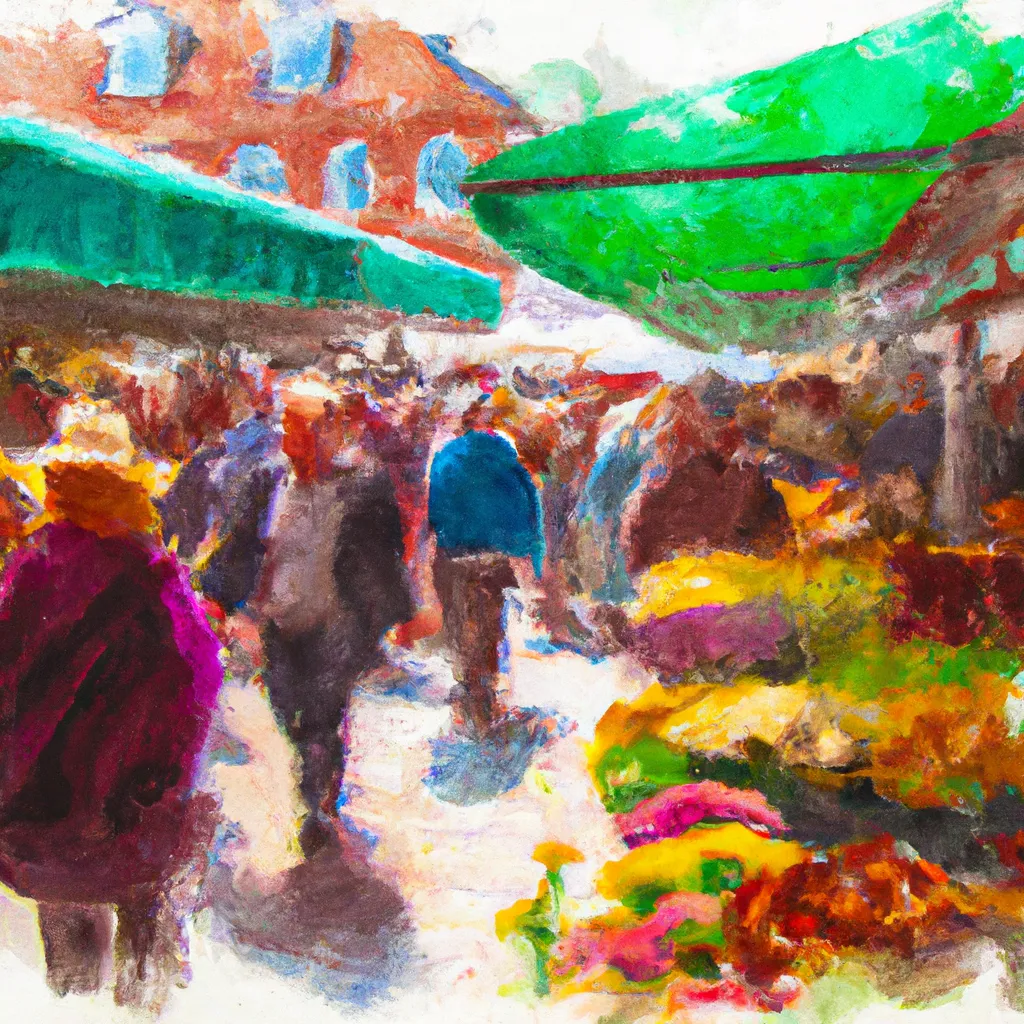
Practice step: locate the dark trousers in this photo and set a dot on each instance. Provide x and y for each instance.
(150, 948)
(471, 589)
(309, 678)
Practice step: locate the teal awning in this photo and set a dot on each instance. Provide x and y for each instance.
(74, 208)
(724, 215)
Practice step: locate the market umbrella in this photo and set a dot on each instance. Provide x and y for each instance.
(737, 213)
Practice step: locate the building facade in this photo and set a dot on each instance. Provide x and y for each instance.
(362, 121)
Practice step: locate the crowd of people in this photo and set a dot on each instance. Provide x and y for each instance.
(166, 517)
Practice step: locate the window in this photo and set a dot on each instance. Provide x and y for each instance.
(139, 61)
(307, 52)
(258, 169)
(347, 183)
(439, 175)
(147, 52)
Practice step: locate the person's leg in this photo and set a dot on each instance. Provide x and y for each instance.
(76, 941)
(426, 620)
(494, 577)
(309, 680)
(472, 592)
(287, 678)
(283, 673)
(149, 947)
(320, 751)
(322, 756)
(451, 581)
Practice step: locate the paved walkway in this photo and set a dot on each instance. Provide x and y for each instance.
(435, 874)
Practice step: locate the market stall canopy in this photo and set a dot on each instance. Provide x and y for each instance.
(958, 254)
(76, 209)
(737, 213)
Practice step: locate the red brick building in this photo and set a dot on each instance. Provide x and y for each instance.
(364, 121)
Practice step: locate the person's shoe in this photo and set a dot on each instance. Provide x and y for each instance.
(317, 833)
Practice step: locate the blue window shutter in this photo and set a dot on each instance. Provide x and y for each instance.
(441, 169)
(347, 177)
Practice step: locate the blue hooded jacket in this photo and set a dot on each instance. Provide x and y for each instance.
(483, 499)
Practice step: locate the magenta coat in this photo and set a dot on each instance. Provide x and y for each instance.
(109, 675)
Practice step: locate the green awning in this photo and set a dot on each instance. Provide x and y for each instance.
(725, 216)
(71, 207)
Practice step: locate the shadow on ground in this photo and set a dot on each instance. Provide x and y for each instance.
(334, 924)
(467, 770)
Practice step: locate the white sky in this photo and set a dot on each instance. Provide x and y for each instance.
(670, 43)
(673, 43)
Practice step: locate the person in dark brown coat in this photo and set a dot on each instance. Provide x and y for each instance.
(333, 582)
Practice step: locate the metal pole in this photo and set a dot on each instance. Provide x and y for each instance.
(958, 488)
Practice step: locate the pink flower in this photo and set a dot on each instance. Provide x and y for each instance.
(673, 811)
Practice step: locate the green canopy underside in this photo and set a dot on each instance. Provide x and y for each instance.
(743, 236)
(75, 208)
(920, 83)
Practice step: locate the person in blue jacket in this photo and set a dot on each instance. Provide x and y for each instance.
(484, 511)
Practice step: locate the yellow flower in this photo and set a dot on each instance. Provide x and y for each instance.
(506, 921)
(803, 502)
(675, 864)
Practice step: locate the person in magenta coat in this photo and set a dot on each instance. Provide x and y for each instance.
(109, 675)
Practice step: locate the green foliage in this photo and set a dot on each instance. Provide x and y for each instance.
(871, 665)
(699, 963)
(694, 935)
(832, 615)
(628, 775)
(539, 927)
(642, 899)
(722, 874)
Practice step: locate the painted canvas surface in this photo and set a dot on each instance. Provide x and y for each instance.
(512, 512)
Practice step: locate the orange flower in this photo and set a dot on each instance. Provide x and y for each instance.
(554, 856)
